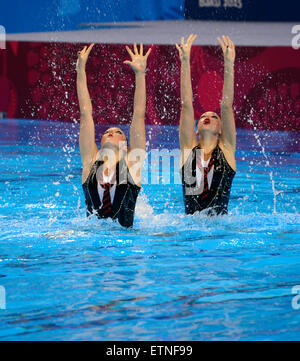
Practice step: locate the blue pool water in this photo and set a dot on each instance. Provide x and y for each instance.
(171, 277)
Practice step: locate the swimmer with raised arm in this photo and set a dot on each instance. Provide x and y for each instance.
(208, 163)
(111, 176)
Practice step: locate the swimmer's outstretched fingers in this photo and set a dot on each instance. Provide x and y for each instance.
(82, 56)
(138, 60)
(228, 48)
(185, 48)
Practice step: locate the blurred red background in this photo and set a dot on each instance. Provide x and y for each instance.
(38, 81)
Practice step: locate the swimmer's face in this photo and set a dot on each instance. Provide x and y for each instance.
(209, 121)
(113, 136)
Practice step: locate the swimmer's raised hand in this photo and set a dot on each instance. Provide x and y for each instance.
(228, 48)
(185, 48)
(82, 57)
(138, 61)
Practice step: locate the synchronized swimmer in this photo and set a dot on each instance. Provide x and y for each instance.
(111, 176)
(207, 163)
(109, 183)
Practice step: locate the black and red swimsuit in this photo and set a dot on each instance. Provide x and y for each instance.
(125, 197)
(215, 198)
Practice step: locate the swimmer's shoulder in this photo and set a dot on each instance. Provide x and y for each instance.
(186, 152)
(229, 154)
(86, 168)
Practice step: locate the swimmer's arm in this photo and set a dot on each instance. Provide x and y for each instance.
(137, 148)
(187, 135)
(137, 127)
(228, 136)
(138, 64)
(88, 147)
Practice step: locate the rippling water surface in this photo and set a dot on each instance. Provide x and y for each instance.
(170, 277)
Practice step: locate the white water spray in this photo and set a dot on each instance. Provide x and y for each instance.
(250, 121)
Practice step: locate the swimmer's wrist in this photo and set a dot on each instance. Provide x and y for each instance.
(185, 59)
(229, 62)
(139, 72)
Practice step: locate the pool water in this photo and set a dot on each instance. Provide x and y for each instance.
(170, 277)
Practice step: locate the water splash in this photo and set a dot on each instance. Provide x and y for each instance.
(256, 136)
